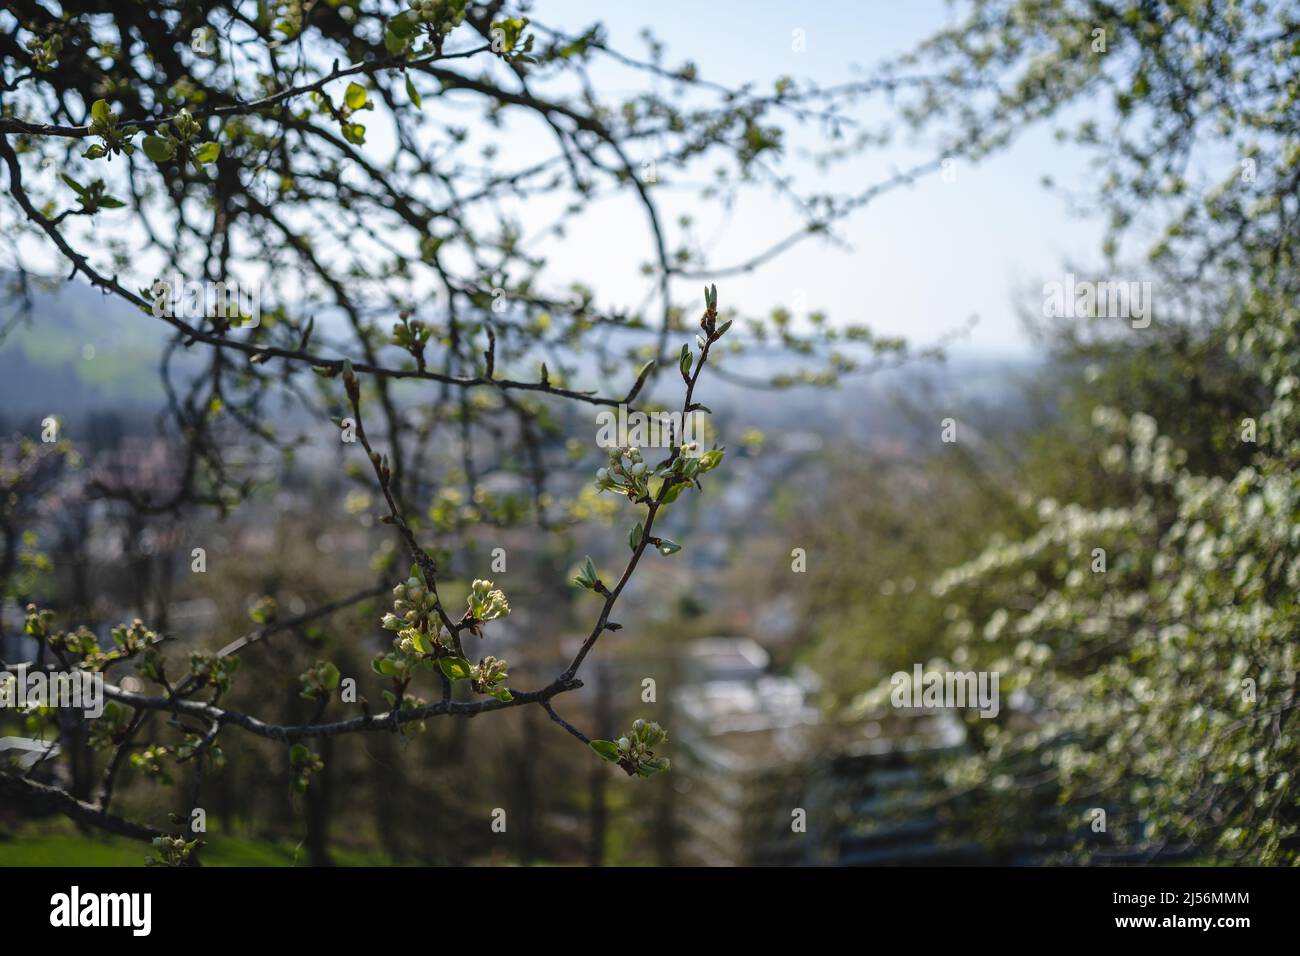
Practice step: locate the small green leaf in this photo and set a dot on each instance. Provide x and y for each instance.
(394, 43)
(634, 536)
(100, 110)
(586, 577)
(355, 96)
(607, 749)
(501, 694)
(401, 26)
(158, 149)
(669, 547)
(684, 363)
(207, 153)
(456, 668)
(413, 93)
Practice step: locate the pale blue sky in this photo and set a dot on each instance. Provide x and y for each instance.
(924, 258)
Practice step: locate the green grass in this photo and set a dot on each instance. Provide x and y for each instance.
(57, 843)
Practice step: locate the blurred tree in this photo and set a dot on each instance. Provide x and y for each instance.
(1156, 681)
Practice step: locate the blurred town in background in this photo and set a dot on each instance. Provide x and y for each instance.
(763, 774)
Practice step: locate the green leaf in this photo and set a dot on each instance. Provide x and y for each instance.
(634, 536)
(207, 153)
(586, 577)
(94, 151)
(669, 547)
(81, 190)
(355, 96)
(456, 668)
(684, 363)
(606, 749)
(100, 110)
(711, 459)
(413, 93)
(402, 26)
(329, 676)
(501, 694)
(393, 42)
(158, 149)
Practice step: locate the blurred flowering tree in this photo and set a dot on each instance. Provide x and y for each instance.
(1146, 627)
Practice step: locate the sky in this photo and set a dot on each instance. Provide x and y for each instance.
(924, 258)
(921, 260)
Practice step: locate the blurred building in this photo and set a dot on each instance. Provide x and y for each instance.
(742, 734)
(762, 781)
